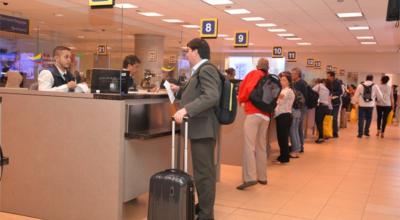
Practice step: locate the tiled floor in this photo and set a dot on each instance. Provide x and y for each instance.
(345, 178)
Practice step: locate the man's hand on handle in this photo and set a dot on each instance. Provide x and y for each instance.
(179, 115)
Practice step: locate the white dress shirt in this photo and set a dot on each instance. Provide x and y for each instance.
(358, 95)
(285, 104)
(386, 91)
(46, 81)
(195, 67)
(324, 94)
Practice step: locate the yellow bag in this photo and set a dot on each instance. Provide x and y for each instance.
(390, 118)
(327, 125)
(353, 115)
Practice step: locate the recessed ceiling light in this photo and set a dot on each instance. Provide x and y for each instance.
(349, 15)
(286, 35)
(253, 19)
(218, 2)
(239, 11)
(365, 37)
(81, 37)
(368, 42)
(251, 44)
(266, 25)
(294, 38)
(276, 30)
(58, 15)
(304, 44)
(151, 14)
(356, 28)
(173, 20)
(223, 35)
(191, 26)
(125, 5)
(228, 38)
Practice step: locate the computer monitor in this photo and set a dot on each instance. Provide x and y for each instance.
(109, 81)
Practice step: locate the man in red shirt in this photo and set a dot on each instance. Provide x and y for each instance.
(255, 130)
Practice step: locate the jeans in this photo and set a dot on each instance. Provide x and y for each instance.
(283, 122)
(364, 114)
(301, 127)
(335, 113)
(320, 113)
(294, 131)
(383, 113)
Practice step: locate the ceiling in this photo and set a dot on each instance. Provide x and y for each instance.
(314, 21)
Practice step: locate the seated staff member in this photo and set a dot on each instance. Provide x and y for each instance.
(131, 63)
(57, 77)
(168, 75)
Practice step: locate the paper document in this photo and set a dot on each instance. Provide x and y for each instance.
(171, 96)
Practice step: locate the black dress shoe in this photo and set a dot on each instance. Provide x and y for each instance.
(262, 182)
(366, 134)
(359, 136)
(246, 184)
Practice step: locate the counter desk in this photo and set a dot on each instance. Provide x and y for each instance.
(80, 156)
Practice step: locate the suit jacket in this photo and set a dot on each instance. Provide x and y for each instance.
(199, 96)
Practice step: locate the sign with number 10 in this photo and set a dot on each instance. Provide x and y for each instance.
(277, 52)
(209, 28)
(241, 39)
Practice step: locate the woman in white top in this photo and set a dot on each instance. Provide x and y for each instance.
(384, 106)
(322, 108)
(283, 116)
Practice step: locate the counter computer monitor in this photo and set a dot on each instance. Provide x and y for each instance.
(109, 81)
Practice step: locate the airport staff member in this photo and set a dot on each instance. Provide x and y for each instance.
(57, 77)
(168, 75)
(131, 63)
(198, 99)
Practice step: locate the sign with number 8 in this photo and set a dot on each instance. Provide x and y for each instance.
(209, 28)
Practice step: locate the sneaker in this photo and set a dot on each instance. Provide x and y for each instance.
(246, 184)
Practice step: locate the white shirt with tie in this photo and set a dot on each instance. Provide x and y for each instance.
(195, 67)
(46, 81)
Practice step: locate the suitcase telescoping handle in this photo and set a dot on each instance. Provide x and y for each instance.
(185, 165)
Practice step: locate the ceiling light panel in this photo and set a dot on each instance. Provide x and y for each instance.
(349, 15)
(369, 43)
(276, 30)
(151, 14)
(304, 44)
(239, 11)
(365, 37)
(229, 38)
(253, 19)
(294, 38)
(223, 35)
(286, 35)
(218, 2)
(357, 28)
(266, 25)
(125, 5)
(172, 20)
(191, 26)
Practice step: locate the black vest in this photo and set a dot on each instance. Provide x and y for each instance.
(58, 79)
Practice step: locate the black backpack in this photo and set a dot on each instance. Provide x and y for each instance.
(367, 94)
(227, 108)
(266, 92)
(312, 98)
(299, 100)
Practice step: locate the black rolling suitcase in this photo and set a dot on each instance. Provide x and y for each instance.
(171, 195)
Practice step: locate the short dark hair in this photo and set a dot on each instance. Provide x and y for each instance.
(385, 79)
(370, 77)
(58, 49)
(331, 73)
(130, 59)
(201, 46)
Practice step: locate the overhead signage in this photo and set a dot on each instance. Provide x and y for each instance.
(310, 62)
(342, 72)
(102, 49)
(328, 68)
(209, 28)
(277, 52)
(291, 56)
(101, 3)
(241, 39)
(14, 24)
(317, 64)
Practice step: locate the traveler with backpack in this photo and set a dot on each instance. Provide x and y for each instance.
(365, 96)
(283, 116)
(384, 106)
(323, 107)
(255, 127)
(301, 85)
(336, 94)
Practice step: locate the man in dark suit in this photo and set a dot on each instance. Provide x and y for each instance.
(199, 97)
(336, 94)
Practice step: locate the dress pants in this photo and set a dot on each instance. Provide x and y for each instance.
(383, 113)
(283, 123)
(255, 148)
(364, 114)
(335, 113)
(320, 113)
(204, 172)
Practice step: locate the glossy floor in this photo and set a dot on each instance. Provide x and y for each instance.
(344, 178)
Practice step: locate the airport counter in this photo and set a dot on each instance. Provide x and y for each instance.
(80, 156)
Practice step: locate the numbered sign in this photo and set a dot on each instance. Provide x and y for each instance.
(102, 49)
(342, 72)
(209, 28)
(241, 39)
(328, 68)
(310, 62)
(101, 3)
(317, 64)
(277, 52)
(291, 56)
